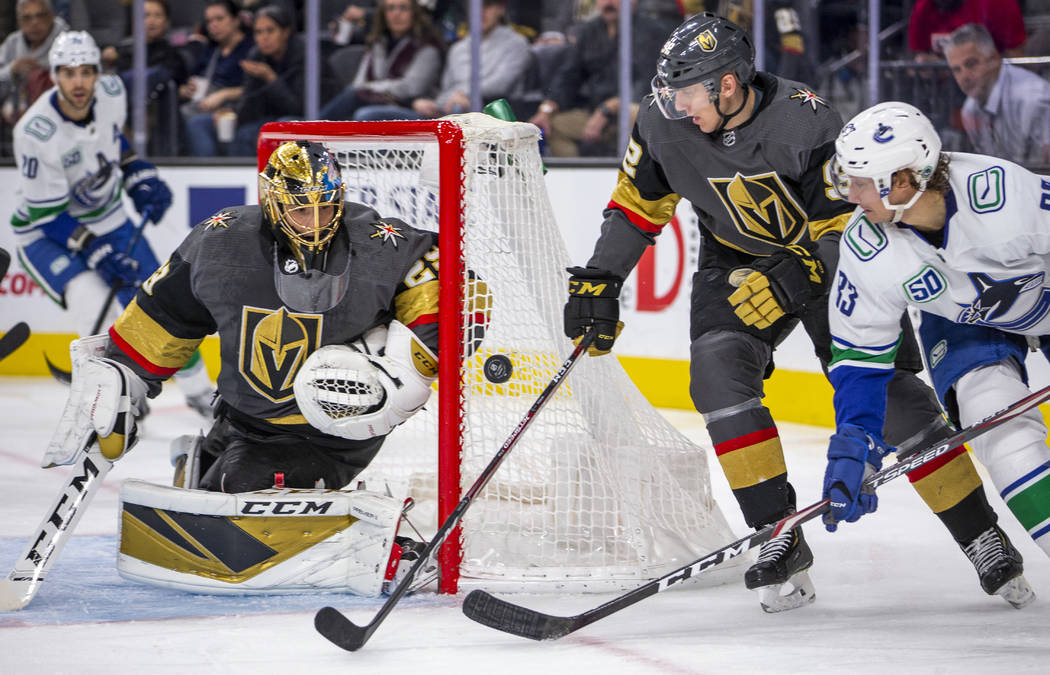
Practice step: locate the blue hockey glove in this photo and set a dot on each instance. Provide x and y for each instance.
(853, 455)
(146, 188)
(112, 265)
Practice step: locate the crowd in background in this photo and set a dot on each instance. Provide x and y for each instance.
(217, 70)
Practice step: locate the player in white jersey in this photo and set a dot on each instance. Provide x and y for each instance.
(75, 164)
(966, 239)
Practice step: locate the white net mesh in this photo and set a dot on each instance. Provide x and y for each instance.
(600, 491)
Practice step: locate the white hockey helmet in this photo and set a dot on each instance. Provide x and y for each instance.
(884, 139)
(73, 48)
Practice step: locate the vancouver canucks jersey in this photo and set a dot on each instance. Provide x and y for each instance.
(70, 166)
(221, 280)
(755, 188)
(989, 270)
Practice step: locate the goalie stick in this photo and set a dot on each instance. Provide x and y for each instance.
(332, 624)
(491, 611)
(19, 587)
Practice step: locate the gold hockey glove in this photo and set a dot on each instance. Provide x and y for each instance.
(784, 283)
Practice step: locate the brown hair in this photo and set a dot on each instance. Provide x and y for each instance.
(938, 182)
(422, 30)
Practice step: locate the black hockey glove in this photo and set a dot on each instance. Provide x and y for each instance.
(593, 303)
(784, 283)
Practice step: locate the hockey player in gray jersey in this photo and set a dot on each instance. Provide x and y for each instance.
(752, 154)
(966, 239)
(326, 315)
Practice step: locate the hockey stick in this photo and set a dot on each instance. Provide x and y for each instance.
(19, 333)
(64, 376)
(332, 624)
(19, 587)
(510, 618)
(13, 339)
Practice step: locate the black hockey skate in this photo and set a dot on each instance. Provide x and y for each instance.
(783, 560)
(1000, 567)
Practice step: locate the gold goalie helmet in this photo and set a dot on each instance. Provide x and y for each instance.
(302, 195)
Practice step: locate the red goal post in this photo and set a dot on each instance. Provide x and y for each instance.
(601, 492)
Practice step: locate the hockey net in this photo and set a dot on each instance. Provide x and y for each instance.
(600, 492)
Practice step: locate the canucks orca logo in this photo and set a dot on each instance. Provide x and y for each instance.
(96, 189)
(996, 298)
(884, 134)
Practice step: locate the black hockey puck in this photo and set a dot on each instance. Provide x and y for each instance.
(498, 368)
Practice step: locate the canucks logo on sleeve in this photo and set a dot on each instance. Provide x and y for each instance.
(996, 298)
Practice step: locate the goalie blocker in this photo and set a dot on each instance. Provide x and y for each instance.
(268, 541)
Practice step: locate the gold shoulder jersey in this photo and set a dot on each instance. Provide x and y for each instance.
(755, 188)
(221, 280)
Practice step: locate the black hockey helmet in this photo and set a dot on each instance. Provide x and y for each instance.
(702, 49)
(700, 52)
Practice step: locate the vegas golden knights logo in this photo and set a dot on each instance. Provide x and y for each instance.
(274, 345)
(707, 41)
(762, 207)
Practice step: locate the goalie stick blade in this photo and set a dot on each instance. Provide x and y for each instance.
(340, 630)
(13, 339)
(490, 611)
(13, 596)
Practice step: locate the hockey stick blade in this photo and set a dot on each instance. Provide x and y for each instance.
(13, 339)
(63, 376)
(491, 611)
(338, 629)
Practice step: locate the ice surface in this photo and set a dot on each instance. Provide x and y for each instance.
(894, 594)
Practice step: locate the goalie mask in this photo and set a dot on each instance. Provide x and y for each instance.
(301, 193)
(882, 140)
(696, 55)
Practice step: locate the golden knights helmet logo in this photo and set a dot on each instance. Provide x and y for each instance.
(762, 207)
(274, 345)
(707, 41)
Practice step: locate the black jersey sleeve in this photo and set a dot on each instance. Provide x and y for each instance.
(163, 325)
(642, 203)
(827, 211)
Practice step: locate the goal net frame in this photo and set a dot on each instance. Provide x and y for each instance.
(450, 170)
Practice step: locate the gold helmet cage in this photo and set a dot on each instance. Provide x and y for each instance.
(301, 181)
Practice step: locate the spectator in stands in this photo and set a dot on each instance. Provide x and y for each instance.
(163, 61)
(579, 116)
(274, 78)
(932, 21)
(215, 84)
(352, 25)
(402, 63)
(504, 59)
(1007, 108)
(23, 57)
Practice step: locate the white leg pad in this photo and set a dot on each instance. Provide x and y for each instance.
(270, 541)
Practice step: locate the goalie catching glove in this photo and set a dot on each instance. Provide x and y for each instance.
(594, 302)
(784, 283)
(105, 399)
(359, 392)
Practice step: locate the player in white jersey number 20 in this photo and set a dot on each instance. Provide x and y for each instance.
(74, 236)
(965, 239)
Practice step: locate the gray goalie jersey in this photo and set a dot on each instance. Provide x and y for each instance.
(221, 280)
(755, 188)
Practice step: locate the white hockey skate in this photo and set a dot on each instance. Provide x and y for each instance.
(780, 574)
(1000, 567)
